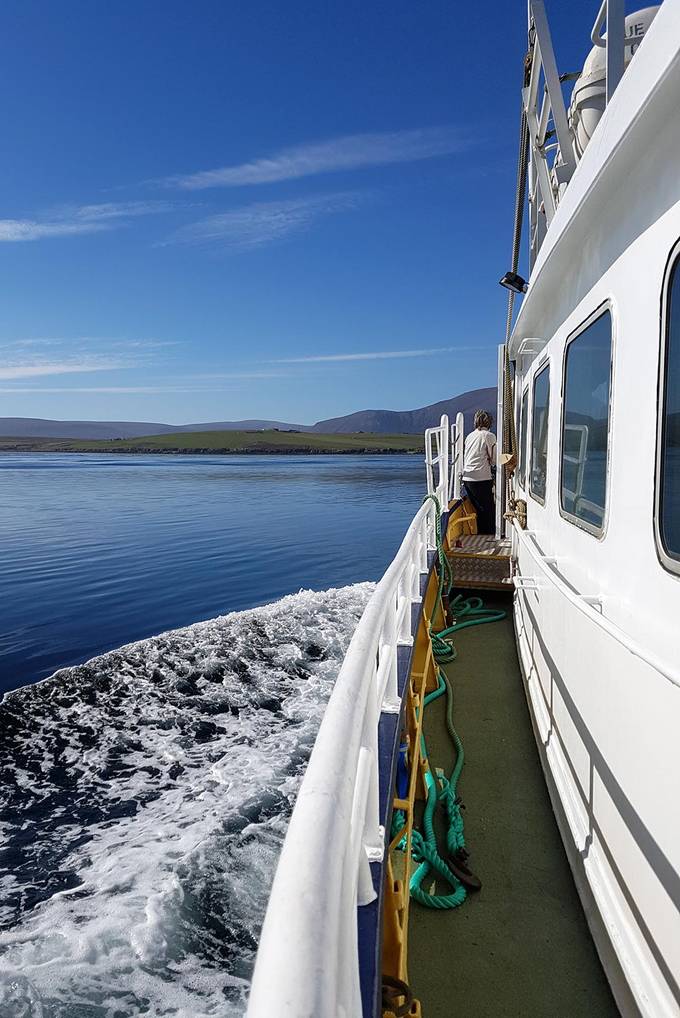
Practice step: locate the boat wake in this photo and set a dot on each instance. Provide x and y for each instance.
(144, 797)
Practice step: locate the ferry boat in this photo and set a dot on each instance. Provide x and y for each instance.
(376, 906)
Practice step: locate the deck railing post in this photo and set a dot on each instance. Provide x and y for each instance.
(443, 491)
(460, 455)
(429, 461)
(500, 418)
(366, 772)
(372, 833)
(388, 648)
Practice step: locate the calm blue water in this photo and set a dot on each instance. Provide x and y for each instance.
(101, 550)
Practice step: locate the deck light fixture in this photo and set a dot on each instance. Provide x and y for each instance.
(511, 281)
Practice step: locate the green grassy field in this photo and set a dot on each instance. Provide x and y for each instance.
(225, 442)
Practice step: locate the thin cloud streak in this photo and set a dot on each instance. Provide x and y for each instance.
(375, 355)
(45, 356)
(263, 223)
(13, 230)
(129, 389)
(351, 152)
(80, 342)
(72, 220)
(121, 210)
(39, 369)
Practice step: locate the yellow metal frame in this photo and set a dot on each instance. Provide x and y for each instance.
(422, 679)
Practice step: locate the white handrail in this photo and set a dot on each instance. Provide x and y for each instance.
(457, 453)
(307, 963)
(584, 604)
(437, 454)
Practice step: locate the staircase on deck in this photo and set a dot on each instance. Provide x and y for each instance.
(481, 561)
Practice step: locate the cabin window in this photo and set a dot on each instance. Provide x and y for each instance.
(539, 433)
(522, 452)
(585, 424)
(669, 450)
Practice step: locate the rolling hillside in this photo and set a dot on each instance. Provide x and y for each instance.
(378, 422)
(224, 442)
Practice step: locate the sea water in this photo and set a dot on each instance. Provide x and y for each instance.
(144, 800)
(98, 550)
(145, 793)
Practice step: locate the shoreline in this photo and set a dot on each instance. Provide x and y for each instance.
(226, 443)
(207, 451)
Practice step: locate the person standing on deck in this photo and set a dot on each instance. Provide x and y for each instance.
(480, 456)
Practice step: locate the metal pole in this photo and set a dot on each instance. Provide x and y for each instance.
(616, 39)
(500, 485)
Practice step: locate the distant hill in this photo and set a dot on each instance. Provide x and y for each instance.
(243, 426)
(412, 422)
(36, 427)
(381, 422)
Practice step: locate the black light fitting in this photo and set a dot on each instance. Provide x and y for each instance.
(511, 281)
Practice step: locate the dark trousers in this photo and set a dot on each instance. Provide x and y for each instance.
(480, 494)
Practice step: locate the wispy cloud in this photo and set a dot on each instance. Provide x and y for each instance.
(373, 355)
(129, 389)
(262, 223)
(45, 368)
(45, 356)
(351, 152)
(71, 220)
(120, 210)
(12, 230)
(124, 389)
(83, 342)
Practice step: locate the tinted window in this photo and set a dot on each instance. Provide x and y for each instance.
(669, 495)
(585, 423)
(522, 453)
(539, 432)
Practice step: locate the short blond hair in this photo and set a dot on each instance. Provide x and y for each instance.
(483, 419)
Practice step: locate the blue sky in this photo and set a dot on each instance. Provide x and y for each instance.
(213, 211)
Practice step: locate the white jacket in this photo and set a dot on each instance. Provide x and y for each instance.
(480, 453)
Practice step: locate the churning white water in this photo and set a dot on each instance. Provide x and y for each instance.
(144, 797)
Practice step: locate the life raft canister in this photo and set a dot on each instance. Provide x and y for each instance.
(588, 100)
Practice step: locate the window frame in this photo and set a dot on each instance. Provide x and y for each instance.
(523, 431)
(545, 366)
(603, 308)
(669, 561)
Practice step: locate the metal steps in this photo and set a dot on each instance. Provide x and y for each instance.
(481, 561)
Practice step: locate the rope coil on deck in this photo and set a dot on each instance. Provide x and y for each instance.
(442, 790)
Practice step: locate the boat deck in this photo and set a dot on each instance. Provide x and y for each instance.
(521, 946)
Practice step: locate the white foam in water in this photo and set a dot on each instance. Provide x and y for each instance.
(144, 799)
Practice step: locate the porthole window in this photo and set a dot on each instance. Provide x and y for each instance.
(668, 495)
(539, 434)
(522, 456)
(585, 424)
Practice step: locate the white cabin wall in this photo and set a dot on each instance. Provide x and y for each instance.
(641, 595)
(608, 721)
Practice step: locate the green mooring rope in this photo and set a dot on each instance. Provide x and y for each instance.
(443, 791)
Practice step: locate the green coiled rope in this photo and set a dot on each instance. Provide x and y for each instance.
(467, 612)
